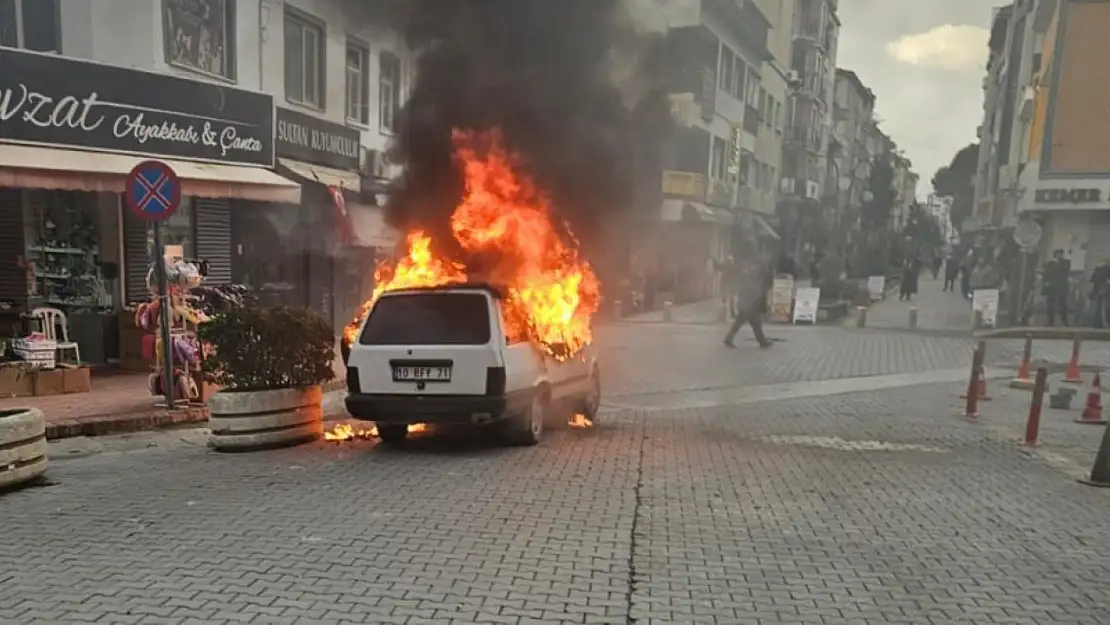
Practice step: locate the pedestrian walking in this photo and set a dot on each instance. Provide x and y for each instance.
(937, 262)
(1100, 293)
(753, 281)
(1056, 274)
(951, 272)
(911, 272)
(966, 269)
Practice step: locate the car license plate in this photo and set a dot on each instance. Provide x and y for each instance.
(405, 373)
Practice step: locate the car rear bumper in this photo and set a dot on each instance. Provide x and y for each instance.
(441, 409)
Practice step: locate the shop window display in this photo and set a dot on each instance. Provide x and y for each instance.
(63, 232)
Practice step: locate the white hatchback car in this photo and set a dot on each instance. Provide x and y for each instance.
(441, 356)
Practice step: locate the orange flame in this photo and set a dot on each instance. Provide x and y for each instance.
(552, 294)
(347, 432)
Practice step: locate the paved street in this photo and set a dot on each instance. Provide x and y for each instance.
(846, 499)
(937, 310)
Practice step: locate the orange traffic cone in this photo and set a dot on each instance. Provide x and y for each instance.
(1022, 381)
(980, 387)
(1092, 411)
(1072, 376)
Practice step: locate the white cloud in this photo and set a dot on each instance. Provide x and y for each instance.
(950, 47)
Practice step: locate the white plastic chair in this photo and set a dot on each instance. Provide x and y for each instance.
(52, 319)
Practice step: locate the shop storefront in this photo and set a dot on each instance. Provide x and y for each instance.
(312, 253)
(71, 131)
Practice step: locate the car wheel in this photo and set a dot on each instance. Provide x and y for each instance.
(392, 433)
(592, 402)
(527, 429)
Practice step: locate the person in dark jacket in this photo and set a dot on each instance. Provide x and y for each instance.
(1056, 273)
(753, 282)
(951, 272)
(911, 271)
(1100, 293)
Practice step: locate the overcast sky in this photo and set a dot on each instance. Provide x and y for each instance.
(925, 61)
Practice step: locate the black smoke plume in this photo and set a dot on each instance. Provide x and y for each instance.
(568, 83)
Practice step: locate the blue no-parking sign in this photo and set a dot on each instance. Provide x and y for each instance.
(153, 191)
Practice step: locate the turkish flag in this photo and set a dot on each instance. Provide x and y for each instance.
(342, 220)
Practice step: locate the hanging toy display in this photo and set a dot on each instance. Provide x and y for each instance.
(181, 276)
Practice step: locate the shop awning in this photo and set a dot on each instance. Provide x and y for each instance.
(370, 228)
(51, 168)
(327, 176)
(676, 210)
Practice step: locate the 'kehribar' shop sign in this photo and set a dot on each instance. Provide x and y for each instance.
(47, 99)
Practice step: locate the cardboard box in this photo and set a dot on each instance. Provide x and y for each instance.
(76, 380)
(50, 382)
(16, 381)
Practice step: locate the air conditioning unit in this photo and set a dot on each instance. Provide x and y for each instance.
(786, 186)
(374, 164)
(793, 79)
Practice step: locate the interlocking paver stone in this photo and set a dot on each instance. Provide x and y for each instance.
(872, 507)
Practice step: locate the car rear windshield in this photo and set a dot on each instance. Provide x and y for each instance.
(429, 319)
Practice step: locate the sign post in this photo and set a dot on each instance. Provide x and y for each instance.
(153, 193)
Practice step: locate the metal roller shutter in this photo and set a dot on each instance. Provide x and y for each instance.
(13, 279)
(136, 258)
(213, 224)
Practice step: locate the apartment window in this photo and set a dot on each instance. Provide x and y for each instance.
(199, 36)
(304, 60)
(719, 163)
(739, 75)
(752, 90)
(358, 82)
(724, 69)
(778, 117)
(389, 90)
(30, 24)
(764, 106)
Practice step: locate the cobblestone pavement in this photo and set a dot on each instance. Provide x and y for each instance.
(1068, 445)
(664, 358)
(866, 508)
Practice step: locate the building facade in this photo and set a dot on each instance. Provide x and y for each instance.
(849, 157)
(815, 34)
(204, 86)
(717, 178)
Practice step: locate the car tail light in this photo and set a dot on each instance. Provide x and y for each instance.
(353, 385)
(495, 381)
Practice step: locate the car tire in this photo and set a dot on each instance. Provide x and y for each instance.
(527, 429)
(591, 404)
(392, 433)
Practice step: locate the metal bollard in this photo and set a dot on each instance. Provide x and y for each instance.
(618, 310)
(913, 317)
(1033, 425)
(971, 410)
(861, 316)
(668, 315)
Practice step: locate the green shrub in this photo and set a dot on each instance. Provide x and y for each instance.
(257, 348)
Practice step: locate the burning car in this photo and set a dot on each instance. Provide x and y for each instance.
(450, 355)
(492, 325)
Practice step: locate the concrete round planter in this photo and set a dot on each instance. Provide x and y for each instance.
(22, 446)
(253, 420)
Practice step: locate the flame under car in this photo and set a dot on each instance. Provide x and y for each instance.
(443, 355)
